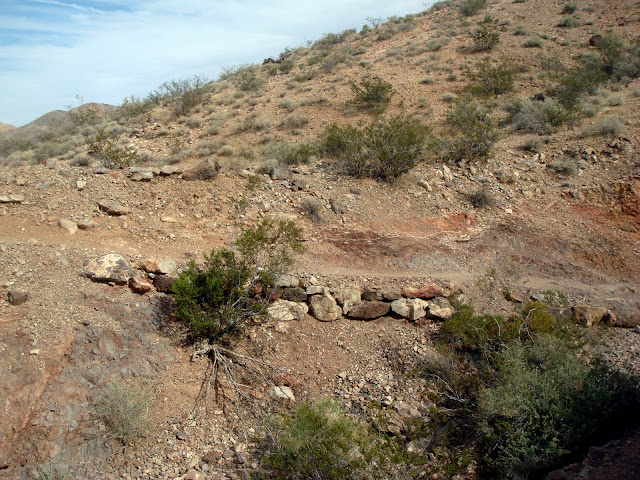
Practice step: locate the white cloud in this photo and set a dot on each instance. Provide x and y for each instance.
(106, 52)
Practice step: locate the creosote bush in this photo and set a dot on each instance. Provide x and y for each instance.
(486, 37)
(320, 441)
(105, 148)
(291, 153)
(373, 95)
(234, 285)
(469, 8)
(488, 79)
(383, 150)
(542, 118)
(471, 133)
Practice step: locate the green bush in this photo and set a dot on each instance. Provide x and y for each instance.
(569, 9)
(488, 79)
(373, 95)
(184, 94)
(486, 37)
(471, 133)
(320, 441)
(291, 154)
(105, 148)
(546, 405)
(568, 22)
(579, 80)
(468, 8)
(542, 118)
(219, 298)
(125, 411)
(384, 149)
(619, 60)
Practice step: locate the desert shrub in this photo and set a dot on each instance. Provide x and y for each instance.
(532, 43)
(373, 95)
(133, 106)
(252, 123)
(480, 198)
(488, 79)
(184, 94)
(320, 441)
(533, 143)
(291, 154)
(547, 404)
(247, 81)
(295, 120)
(105, 148)
(569, 9)
(194, 121)
(568, 22)
(486, 37)
(542, 118)
(217, 299)
(612, 126)
(468, 8)
(125, 411)
(384, 149)
(563, 166)
(619, 60)
(579, 80)
(470, 135)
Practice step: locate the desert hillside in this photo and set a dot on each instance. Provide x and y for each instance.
(466, 185)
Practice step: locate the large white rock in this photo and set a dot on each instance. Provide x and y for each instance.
(411, 308)
(284, 310)
(347, 297)
(324, 308)
(109, 268)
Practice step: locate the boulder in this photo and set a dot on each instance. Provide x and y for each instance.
(427, 291)
(347, 297)
(282, 393)
(109, 268)
(324, 308)
(68, 225)
(287, 280)
(139, 174)
(369, 310)
(294, 294)
(204, 171)
(163, 283)
(627, 313)
(410, 308)
(372, 294)
(440, 308)
(140, 285)
(17, 297)
(12, 198)
(113, 208)
(316, 290)
(169, 170)
(589, 316)
(284, 310)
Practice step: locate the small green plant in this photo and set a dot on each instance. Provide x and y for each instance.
(218, 299)
(468, 8)
(373, 95)
(320, 441)
(568, 22)
(480, 198)
(105, 148)
(489, 79)
(533, 43)
(486, 37)
(384, 149)
(125, 411)
(184, 94)
(470, 135)
(569, 9)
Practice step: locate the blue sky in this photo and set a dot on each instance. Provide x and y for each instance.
(52, 51)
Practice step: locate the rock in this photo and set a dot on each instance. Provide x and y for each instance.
(410, 308)
(167, 267)
(140, 285)
(587, 315)
(446, 173)
(12, 198)
(627, 313)
(35, 351)
(86, 224)
(324, 308)
(424, 184)
(241, 457)
(109, 268)
(163, 283)
(168, 220)
(169, 170)
(372, 294)
(287, 281)
(154, 265)
(282, 393)
(440, 308)
(204, 171)
(284, 310)
(17, 297)
(294, 294)
(369, 310)
(211, 457)
(316, 290)
(280, 172)
(68, 225)
(137, 174)
(113, 208)
(427, 291)
(392, 294)
(194, 475)
(347, 297)
(596, 40)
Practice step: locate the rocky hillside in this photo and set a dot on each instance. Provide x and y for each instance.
(524, 187)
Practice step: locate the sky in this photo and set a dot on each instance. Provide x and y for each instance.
(54, 53)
